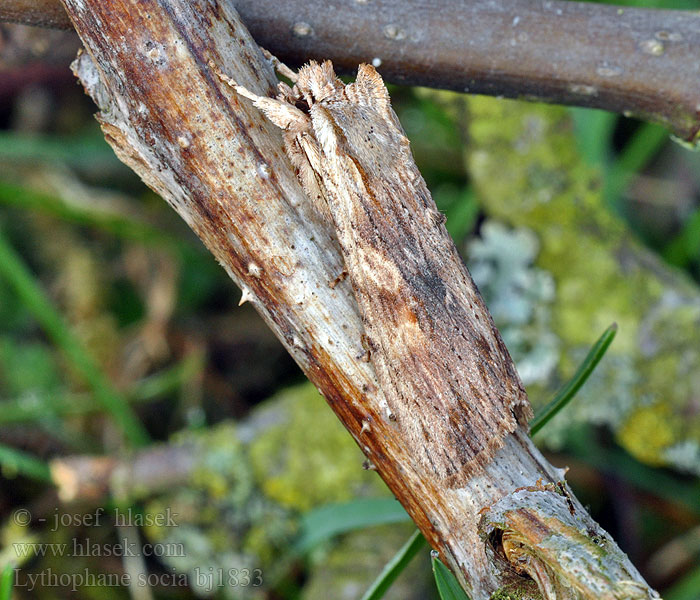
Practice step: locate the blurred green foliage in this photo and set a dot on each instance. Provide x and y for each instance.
(114, 320)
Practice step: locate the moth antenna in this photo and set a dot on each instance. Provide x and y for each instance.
(279, 112)
(232, 83)
(279, 66)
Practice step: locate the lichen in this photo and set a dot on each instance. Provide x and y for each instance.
(242, 505)
(291, 461)
(647, 433)
(524, 163)
(514, 592)
(684, 454)
(519, 296)
(222, 521)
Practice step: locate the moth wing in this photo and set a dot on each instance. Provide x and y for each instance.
(444, 369)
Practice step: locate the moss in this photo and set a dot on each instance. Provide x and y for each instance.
(242, 504)
(524, 163)
(292, 461)
(517, 592)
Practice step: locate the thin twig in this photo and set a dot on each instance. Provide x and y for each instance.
(42, 13)
(639, 62)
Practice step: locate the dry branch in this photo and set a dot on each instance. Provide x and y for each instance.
(221, 165)
(42, 13)
(635, 61)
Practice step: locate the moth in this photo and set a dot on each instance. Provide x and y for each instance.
(452, 390)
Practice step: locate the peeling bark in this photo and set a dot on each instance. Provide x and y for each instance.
(221, 165)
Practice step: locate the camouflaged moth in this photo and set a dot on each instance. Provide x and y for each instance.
(451, 386)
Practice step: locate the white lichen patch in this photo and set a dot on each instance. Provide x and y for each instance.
(685, 455)
(519, 296)
(254, 270)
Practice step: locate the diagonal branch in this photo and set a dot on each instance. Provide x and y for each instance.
(221, 165)
(639, 62)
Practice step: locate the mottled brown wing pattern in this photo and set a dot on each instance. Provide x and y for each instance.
(451, 388)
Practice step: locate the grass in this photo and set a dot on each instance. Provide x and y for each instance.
(569, 390)
(18, 276)
(16, 462)
(596, 130)
(395, 566)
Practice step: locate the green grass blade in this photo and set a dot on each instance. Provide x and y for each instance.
(166, 381)
(594, 129)
(448, 588)
(329, 520)
(688, 588)
(685, 247)
(148, 389)
(395, 567)
(116, 224)
(89, 151)
(6, 582)
(461, 215)
(640, 149)
(670, 4)
(24, 464)
(13, 269)
(566, 393)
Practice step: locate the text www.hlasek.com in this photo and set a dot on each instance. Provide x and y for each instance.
(81, 548)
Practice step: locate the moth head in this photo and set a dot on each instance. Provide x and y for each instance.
(317, 82)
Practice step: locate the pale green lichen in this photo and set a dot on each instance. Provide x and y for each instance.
(291, 461)
(685, 454)
(242, 505)
(222, 521)
(519, 296)
(523, 161)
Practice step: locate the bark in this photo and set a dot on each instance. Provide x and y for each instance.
(639, 62)
(220, 164)
(43, 13)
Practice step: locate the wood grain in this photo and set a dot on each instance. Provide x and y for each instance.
(217, 160)
(450, 385)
